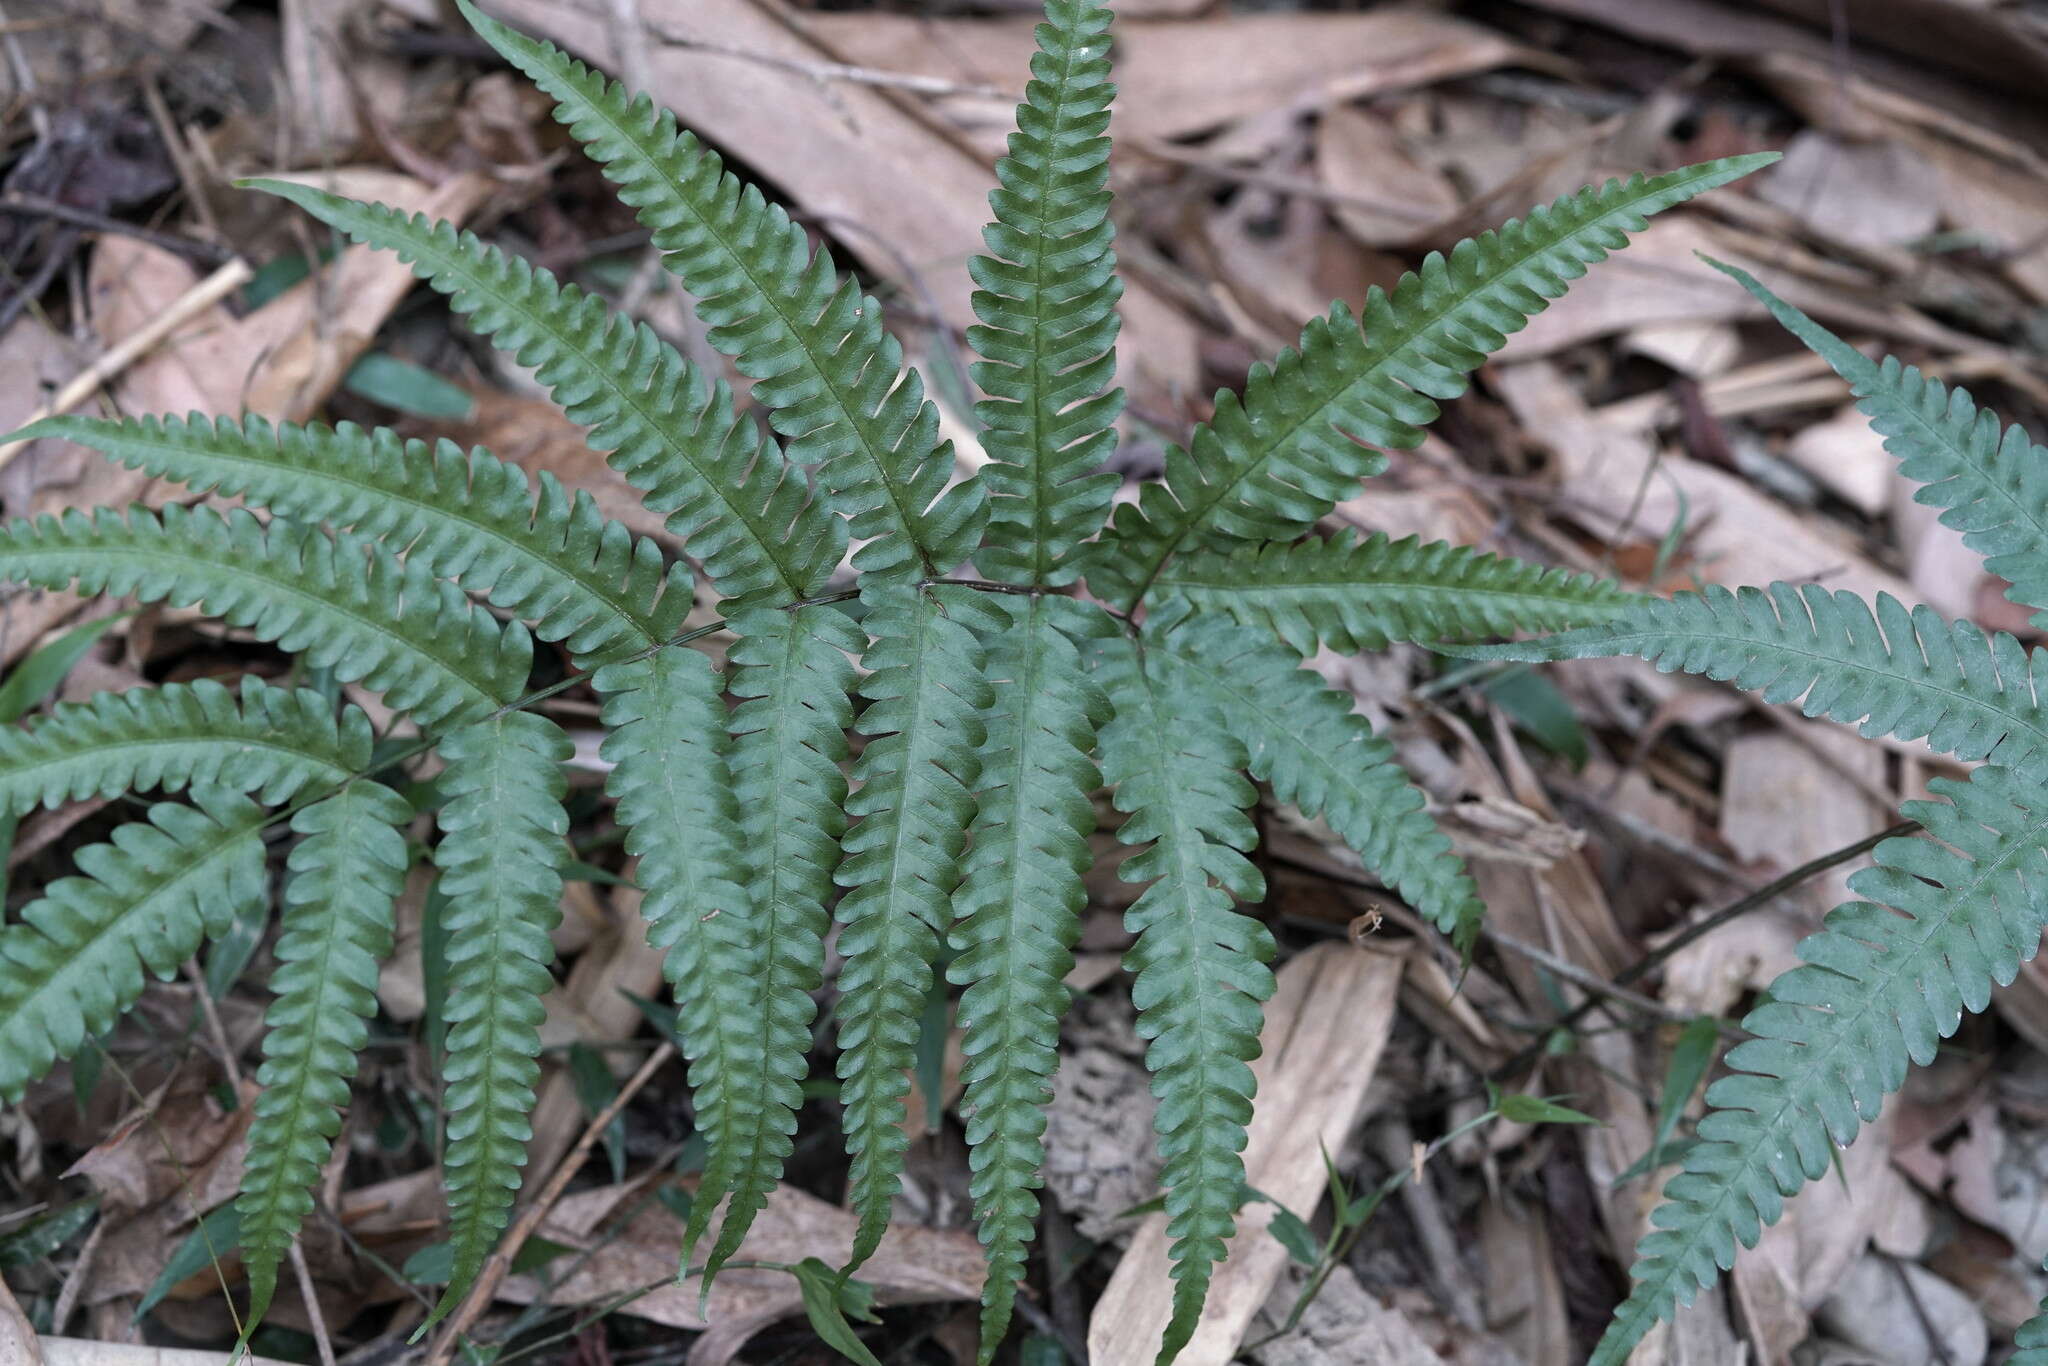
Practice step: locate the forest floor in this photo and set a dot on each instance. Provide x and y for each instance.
(1271, 158)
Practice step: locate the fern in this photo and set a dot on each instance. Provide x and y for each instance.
(1991, 485)
(1904, 673)
(913, 801)
(267, 742)
(501, 856)
(1885, 981)
(345, 874)
(1017, 914)
(791, 674)
(1047, 305)
(74, 960)
(1352, 594)
(1199, 963)
(746, 514)
(963, 823)
(1317, 753)
(1266, 466)
(552, 560)
(813, 344)
(343, 603)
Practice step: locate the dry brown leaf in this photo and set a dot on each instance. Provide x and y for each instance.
(1524, 1294)
(1880, 194)
(1616, 483)
(1178, 78)
(1359, 155)
(1784, 802)
(19, 1345)
(82, 1352)
(1326, 1025)
(906, 196)
(1904, 1315)
(912, 1266)
(1847, 455)
(1345, 1325)
(1659, 279)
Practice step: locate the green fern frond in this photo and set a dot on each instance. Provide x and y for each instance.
(272, 743)
(1991, 484)
(345, 875)
(2032, 1340)
(813, 344)
(1268, 465)
(912, 800)
(73, 961)
(1884, 982)
(1017, 915)
(501, 856)
(672, 779)
(791, 673)
(1907, 674)
(745, 514)
(1303, 738)
(1200, 964)
(1349, 593)
(338, 601)
(1047, 305)
(554, 560)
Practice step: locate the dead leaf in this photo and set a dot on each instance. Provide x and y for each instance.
(1904, 1315)
(1326, 1025)
(1881, 193)
(1345, 1325)
(1847, 455)
(912, 1266)
(19, 1345)
(1360, 156)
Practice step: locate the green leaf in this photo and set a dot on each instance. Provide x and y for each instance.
(1200, 963)
(342, 603)
(791, 673)
(1537, 708)
(1991, 483)
(1047, 305)
(1899, 672)
(43, 672)
(1351, 594)
(747, 514)
(434, 1264)
(1303, 737)
(34, 1239)
(545, 555)
(828, 1297)
(1016, 917)
(1690, 1058)
(1521, 1109)
(74, 961)
(1268, 465)
(345, 876)
(411, 389)
(596, 1088)
(1947, 918)
(912, 801)
(500, 856)
(813, 344)
(211, 1243)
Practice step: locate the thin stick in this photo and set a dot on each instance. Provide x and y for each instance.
(499, 1264)
(316, 1320)
(35, 206)
(133, 347)
(1651, 961)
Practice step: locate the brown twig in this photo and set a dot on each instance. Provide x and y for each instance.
(499, 1264)
(36, 206)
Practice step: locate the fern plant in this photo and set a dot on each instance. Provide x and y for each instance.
(992, 707)
(1944, 915)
